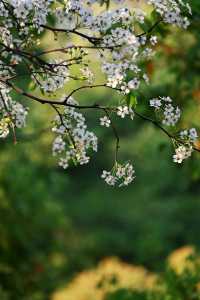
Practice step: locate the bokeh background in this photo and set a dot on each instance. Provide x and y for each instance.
(56, 223)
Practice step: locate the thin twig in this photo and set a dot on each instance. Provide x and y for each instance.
(155, 123)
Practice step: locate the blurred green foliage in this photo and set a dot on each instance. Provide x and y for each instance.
(54, 223)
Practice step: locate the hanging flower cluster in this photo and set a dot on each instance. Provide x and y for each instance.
(83, 30)
(12, 114)
(121, 175)
(185, 145)
(73, 139)
(170, 114)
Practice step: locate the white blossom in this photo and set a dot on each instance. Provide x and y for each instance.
(73, 140)
(122, 111)
(105, 121)
(182, 153)
(190, 135)
(121, 175)
(170, 113)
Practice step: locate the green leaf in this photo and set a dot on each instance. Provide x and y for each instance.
(131, 100)
(107, 2)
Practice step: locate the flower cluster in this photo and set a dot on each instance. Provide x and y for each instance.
(190, 135)
(13, 114)
(56, 78)
(182, 153)
(121, 175)
(169, 114)
(73, 140)
(185, 149)
(171, 11)
(38, 10)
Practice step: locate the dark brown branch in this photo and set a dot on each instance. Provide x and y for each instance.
(94, 106)
(91, 39)
(57, 102)
(150, 29)
(155, 123)
(64, 50)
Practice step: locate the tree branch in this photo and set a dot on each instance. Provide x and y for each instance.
(155, 123)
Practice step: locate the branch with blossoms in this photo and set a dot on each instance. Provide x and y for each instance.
(115, 38)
